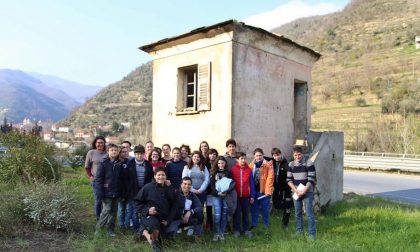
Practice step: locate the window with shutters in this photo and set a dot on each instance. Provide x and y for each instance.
(193, 89)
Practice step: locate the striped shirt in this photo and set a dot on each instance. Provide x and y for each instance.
(302, 173)
(140, 172)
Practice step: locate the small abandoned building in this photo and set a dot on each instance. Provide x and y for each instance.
(232, 80)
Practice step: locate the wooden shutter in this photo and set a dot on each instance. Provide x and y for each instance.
(203, 90)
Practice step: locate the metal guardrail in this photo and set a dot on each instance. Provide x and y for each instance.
(382, 161)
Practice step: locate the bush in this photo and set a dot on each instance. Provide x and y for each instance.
(361, 102)
(51, 206)
(12, 215)
(28, 160)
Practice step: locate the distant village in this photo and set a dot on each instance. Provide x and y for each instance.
(64, 137)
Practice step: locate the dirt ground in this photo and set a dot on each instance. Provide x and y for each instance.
(37, 241)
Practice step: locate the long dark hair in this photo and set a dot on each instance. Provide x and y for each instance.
(205, 155)
(96, 139)
(200, 164)
(215, 167)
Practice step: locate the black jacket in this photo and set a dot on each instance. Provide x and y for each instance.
(109, 179)
(162, 197)
(196, 206)
(131, 187)
(281, 188)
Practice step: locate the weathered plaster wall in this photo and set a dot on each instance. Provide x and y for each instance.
(263, 96)
(213, 126)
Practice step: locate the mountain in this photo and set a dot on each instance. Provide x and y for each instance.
(24, 95)
(369, 59)
(128, 100)
(370, 65)
(18, 101)
(79, 92)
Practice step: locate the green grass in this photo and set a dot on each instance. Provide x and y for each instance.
(356, 223)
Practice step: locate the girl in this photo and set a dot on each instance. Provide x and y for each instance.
(218, 172)
(199, 175)
(175, 167)
(212, 156)
(166, 150)
(154, 159)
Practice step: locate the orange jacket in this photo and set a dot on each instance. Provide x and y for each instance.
(266, 177)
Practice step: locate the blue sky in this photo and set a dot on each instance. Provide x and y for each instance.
(95, 41)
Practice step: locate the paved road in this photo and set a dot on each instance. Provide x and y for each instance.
(405, 188)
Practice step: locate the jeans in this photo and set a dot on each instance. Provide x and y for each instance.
(308, 199)
(264, 203)
(242, 208)
(97, 207)
(220, 215)
(108, 214)
(127, 213)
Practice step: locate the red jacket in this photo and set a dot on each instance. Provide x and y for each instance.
(244, 182)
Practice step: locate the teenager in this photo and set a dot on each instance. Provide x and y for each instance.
(221, 185)
(282, 195)
(189, 211)
(244, 186)
(155, 159)
(93, 158)
(139, 173)
(230, 155)
(263, 174)
(175, 167)
(302, 173)
(109, 180)
(166, 153)
(199, 175)
(155, 205)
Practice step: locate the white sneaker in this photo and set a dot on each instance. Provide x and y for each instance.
(215, 237)
(179, 231)
(190, 232)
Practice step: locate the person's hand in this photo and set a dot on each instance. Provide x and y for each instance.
(91, 178)
(222, 194)
(301, 193)
(251, 200)
(198, 192)
(164, 223)
(167, 182)
(153, 211)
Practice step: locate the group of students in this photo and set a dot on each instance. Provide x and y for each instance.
(161, 190)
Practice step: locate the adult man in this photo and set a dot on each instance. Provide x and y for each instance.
(189, 211)
(93, 158)
(127, 144)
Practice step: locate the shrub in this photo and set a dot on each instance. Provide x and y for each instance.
(28, 160)
(12, 215)
(361, 102)
(51, 206)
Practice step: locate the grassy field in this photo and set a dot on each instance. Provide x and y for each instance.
(356, 223)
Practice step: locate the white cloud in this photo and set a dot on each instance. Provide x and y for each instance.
(288, 12)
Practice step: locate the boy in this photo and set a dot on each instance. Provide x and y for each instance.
(230, 155)
(109, 181)
(300, 172)
(282, 195)
(244, 186)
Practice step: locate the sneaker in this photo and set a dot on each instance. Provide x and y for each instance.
(198, 238)
(222, 237)
(311, 238)
(179, 231)
(156, 247)
(236, 234)
(248, 234)
(111, 233)
(297, 234)
(98, 233)
(190, 232)
(215, 237)
(252, 227)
